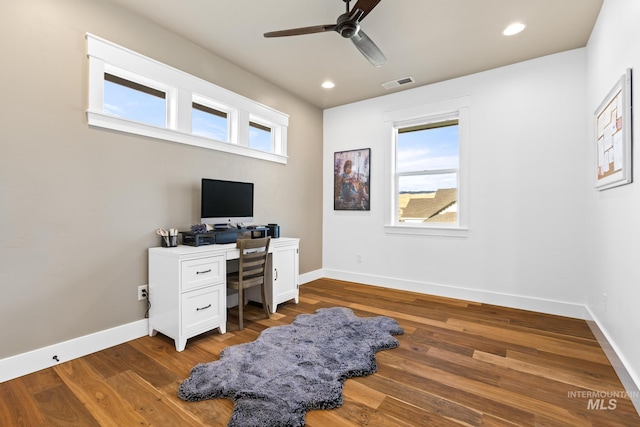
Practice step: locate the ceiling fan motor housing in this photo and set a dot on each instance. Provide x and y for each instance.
(347, 26)
(349, 31)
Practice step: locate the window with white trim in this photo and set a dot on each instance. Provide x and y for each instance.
(428, 170)
(260, 137)
(131, 93)
(426, 178)
(134, 101)
(209, 122)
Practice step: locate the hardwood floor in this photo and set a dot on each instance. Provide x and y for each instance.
(458, 364)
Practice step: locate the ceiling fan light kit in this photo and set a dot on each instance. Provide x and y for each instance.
(348, 26)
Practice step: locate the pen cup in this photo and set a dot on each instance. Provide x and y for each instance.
(169, 241)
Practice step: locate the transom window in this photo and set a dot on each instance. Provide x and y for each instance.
(134, 101)
(131, 93)
(209, 122)
(260, 137)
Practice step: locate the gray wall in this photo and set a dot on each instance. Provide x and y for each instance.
(79, 206)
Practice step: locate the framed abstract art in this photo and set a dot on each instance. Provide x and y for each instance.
(613, 136)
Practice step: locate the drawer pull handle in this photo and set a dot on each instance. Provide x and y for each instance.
(203, 308)
(203, 272)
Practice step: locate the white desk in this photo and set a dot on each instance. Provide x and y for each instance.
(188, 292)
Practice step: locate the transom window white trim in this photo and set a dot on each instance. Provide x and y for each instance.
(274, 132)
(232, 114)
(181, 90)
(418, 115)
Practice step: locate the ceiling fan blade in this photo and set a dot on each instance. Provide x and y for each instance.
(300, 31)
(369, 49)
(366, 6)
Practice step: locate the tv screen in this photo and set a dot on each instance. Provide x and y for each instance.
(226, 202)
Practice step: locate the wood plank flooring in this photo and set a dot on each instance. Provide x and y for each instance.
(458, 364)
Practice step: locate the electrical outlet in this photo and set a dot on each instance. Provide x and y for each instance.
(359, 258)
(604, 302)
(143, 292)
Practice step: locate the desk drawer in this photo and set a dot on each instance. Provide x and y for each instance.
(202, 271)
(201, 309)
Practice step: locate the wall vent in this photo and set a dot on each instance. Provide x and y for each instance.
(399, 82)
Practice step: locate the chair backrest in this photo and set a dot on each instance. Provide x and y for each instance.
(252, 264)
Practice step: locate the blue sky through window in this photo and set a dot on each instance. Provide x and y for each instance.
(428, 150)
(131, 104)
(209, 125)
(259, 139)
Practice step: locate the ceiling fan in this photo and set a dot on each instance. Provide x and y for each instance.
(348, 26)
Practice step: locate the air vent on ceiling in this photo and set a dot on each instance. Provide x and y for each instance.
(399, 82)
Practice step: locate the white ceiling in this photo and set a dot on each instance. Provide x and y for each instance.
(429, 40)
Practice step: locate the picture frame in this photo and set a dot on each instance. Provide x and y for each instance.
(613, 137)
(352, 174)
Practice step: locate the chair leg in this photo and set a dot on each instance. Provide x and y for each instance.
(264, 303)
(240, 307)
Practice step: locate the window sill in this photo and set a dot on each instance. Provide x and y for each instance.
(442, 231)
(115, 123)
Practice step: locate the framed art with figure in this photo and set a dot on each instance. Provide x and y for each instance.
(351, 186)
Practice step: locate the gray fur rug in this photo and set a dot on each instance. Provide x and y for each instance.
(289, 370)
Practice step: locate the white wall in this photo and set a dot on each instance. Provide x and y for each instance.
(614, 215)
(528, 151)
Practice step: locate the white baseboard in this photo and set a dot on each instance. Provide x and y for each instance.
(311, 276)
(35, 360)
(540, 305)
(628, 377)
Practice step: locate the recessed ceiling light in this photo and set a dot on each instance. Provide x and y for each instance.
(328, 84)
(513, 29)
